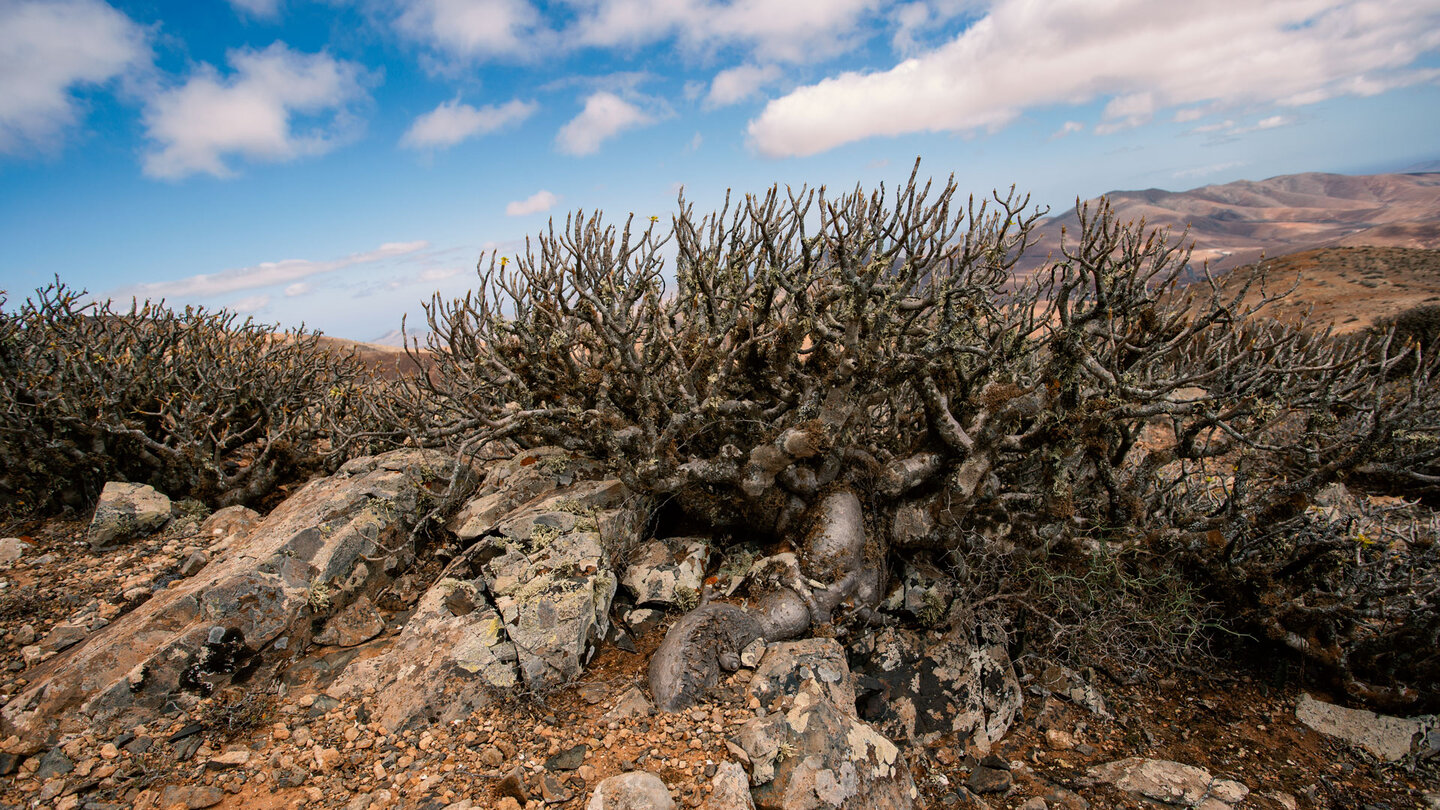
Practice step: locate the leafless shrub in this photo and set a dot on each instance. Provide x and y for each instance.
(886, 346)
(198, 403)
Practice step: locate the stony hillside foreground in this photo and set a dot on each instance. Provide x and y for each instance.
(209, 665)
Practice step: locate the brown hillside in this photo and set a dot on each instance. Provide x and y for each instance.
(1351, 287)
(1236, 223)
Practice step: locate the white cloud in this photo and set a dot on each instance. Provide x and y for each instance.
(49, 48)
(298, 288)
(453, 122)
(792, 31)
(1141, 56)
(259, 9)
(1068, 128)
(739, 83)
(1200, 171)
(474, 29)
(249, 304)
(251, 112)
(605, 116)
(536, 203)
(695, 142)
(264, 274)
(478, 30)
(438, 273)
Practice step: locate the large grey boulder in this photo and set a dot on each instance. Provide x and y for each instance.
(730, 789)
(127, 511)
(551, 577)
(919, 687)
(1172, 783)
(250, 610)
(812, 752)
(637, 790)
(452, 652)
(526, 602)
(1386, 738)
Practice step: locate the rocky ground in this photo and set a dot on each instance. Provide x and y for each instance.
(1224, 734)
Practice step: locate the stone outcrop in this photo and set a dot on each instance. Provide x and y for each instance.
(1172, 783)
(1386, 738)
(812, 752)
(526, 602)
(919, 689)
(250, 610)
(637, 790)
(126, 511)
(667, 572)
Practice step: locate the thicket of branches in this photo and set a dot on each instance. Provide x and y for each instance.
(200, 404)
(866, 376)
(881, 345)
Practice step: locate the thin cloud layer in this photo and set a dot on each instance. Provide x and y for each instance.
(50, 48)
(252, 113)
(265, 274)
(536, 203)
(480, 30)
(1140, 56)
(605, 115)
(739, 83)
(259, 9)
(453, 122)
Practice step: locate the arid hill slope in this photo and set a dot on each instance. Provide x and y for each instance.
(1236, 223)
(1350, 287)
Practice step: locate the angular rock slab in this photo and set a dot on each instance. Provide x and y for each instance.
(1387, 738)
(527, 600)
(126, 511)
(550, 575)
(920, 690)
(662, 571)
(817, 755)
(1171, 782)
(440, 668)
(789, 665)
(814, 752)
(252, 606)
(730, 789)
(510, 484)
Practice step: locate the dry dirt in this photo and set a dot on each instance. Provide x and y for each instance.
(1349, 287)
(1234, 719)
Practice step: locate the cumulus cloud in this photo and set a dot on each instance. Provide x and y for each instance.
(478, 30)
(50, 48)
(1138, 56)
(536, 203)
(739, 83)
(1068, 128)
(264, 274)
(453, 122)
(259, 9)
(249, 304)
(252, 113)
(605, 115)
(473, 29)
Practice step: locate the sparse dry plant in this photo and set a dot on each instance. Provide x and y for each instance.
(200, 404)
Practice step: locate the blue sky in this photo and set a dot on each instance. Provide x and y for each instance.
(337, 161)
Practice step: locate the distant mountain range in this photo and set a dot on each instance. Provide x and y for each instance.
(1235, 223)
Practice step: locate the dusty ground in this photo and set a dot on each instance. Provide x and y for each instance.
(1230, 718)
(1351, 287)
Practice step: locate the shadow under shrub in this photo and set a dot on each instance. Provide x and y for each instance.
(199, 404)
